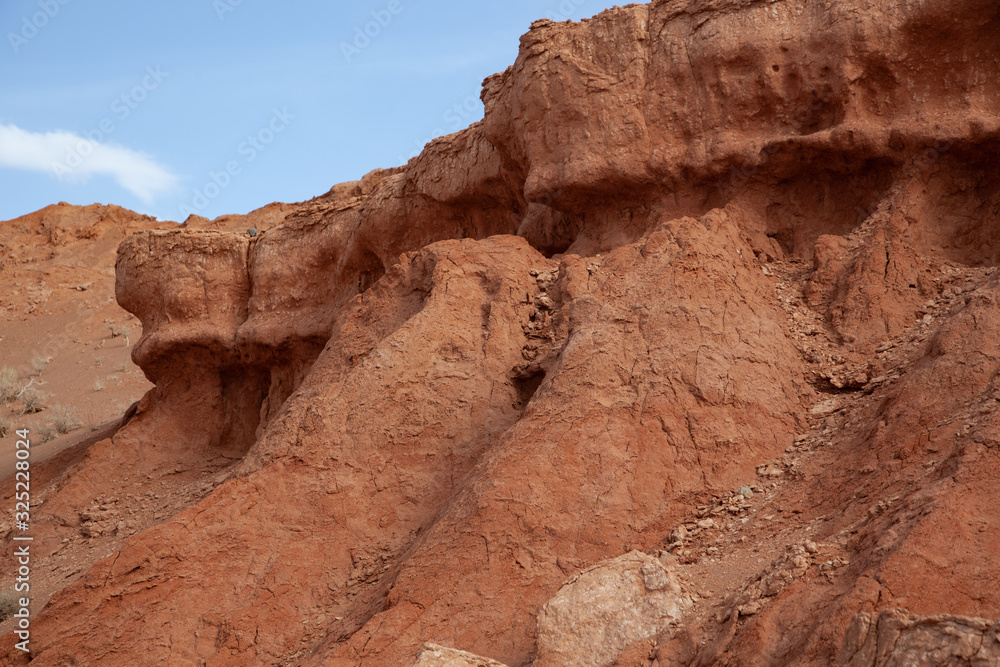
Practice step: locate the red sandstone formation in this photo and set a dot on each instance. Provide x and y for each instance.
(712, 281)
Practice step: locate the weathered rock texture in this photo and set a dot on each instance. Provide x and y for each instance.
(61, 330)
(614, 606)
(432, 655)
(692, 247)
(895, 638)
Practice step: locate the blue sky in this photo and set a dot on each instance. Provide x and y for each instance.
(222, 106)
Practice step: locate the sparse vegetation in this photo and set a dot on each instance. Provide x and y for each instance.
(118, 330)
(92, 419)
(99, 362)
(8, 604)
(122, 367)
(10, 384)
(32, 399)
(64, 419)
(4, 427)
(39, 363)
(98, 385)
(43, 434)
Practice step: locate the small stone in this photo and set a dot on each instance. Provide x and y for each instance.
(705, 524)
(679, 535)
(746, 492)
(811, 547)
(826, 407)
(654, 577)
(91, 530)
(546, 279)
(544, 302)
(668, 559)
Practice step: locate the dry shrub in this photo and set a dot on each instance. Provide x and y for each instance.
(32, 400)
(64, 419)
(10, 384)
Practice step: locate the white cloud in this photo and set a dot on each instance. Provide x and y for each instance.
(71, 157)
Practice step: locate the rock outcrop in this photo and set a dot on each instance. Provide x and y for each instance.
(702, 264)
(615, 606)
(895, 638)
(432, 655)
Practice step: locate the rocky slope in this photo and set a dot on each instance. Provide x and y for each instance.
(67, 344)
(712, 282)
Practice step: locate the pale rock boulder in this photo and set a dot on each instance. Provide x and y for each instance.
(606, 609)
(432, 655)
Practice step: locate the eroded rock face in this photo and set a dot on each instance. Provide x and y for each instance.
(895, 638)
(445, 388)
(641, 402)
(190, 290)
(423, 448)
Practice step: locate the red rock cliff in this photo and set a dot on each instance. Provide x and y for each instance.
(693, 246)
